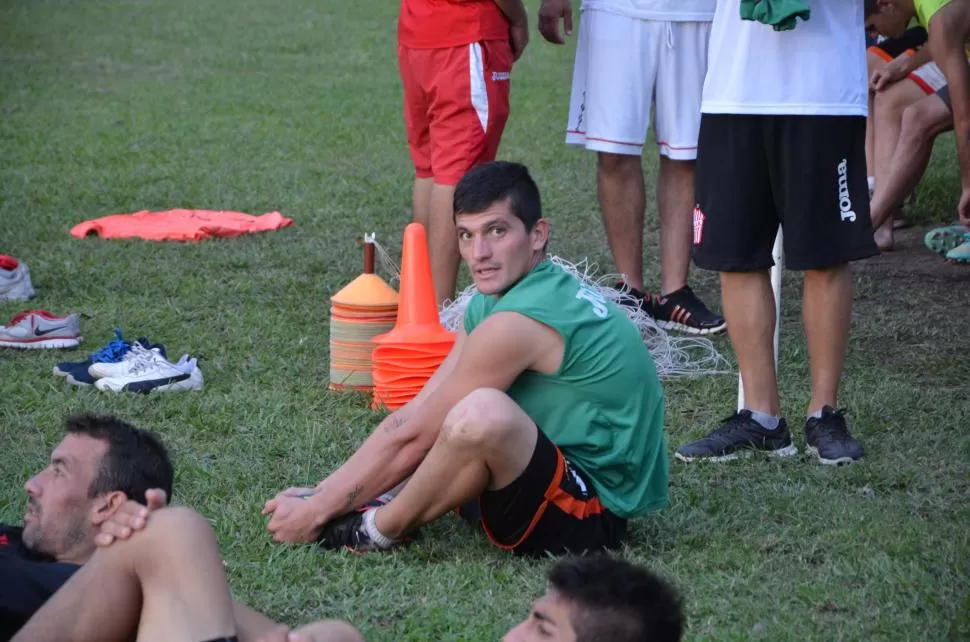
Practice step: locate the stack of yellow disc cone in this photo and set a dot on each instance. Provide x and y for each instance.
(365, 308)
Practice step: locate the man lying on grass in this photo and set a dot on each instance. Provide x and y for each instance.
(548, 411)
(177, 575)
(165, 584)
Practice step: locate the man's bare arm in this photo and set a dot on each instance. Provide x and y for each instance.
(948, 30)
(514, 10)
(500, 349)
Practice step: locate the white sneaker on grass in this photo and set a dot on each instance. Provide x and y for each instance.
(153, 373)
(138, 353)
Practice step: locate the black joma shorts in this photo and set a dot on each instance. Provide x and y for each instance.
(806, 173)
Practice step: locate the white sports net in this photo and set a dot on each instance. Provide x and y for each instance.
(674, 356)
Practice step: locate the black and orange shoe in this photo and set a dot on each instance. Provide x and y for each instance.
(682, 310)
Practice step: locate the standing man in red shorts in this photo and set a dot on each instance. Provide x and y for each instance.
(455, 59)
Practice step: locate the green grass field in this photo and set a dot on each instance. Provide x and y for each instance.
(110, 107)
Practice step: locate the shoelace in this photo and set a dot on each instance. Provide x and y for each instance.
(139, 358)
(831, 425)
(113, 351)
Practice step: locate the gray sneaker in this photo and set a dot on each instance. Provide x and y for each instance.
(14, 280)
(41, 329)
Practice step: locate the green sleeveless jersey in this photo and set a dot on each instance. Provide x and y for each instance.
(604, 407)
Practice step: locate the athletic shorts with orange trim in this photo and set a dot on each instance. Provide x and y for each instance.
(551, 508)
(456, 104)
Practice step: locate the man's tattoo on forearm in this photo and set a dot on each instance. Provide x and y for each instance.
(353, 495)
(394, 423)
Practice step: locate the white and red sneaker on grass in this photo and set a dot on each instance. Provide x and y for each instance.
(34, 329)
(14, 280)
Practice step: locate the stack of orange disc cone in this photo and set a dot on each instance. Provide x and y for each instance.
(363, 309)
(406, 357)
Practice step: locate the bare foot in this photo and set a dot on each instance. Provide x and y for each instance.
(884, 236)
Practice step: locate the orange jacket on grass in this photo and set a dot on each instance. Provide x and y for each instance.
(179, 225)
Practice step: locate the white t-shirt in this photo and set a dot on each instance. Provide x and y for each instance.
(818, 68)
(673, 10)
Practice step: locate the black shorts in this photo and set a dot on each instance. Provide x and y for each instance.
(550, 508)
(807, 173)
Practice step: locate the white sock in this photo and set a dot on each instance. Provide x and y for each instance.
(370, 527)
(767, 421)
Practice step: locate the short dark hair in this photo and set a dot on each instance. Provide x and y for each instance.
(618, 601)
(489, 183)
(870, 7)
(135, 462)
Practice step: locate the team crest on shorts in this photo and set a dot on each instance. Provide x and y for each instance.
(698, 224)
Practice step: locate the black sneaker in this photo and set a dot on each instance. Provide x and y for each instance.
(682, 310)
(635, 298)
(739, 436)
(347, 531)
(827, 438)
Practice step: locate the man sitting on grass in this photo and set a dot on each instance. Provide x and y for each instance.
(948, 24)
(548, 410)
(165, 584)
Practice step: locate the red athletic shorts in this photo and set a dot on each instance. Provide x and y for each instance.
(456, 103)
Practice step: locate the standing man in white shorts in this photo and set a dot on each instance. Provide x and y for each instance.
(631, 55)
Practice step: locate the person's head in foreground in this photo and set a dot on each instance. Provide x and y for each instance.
(100, 464)
(886, 18)
(498, 219)
(603, 598)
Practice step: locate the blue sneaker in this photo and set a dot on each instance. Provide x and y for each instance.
(76, 373)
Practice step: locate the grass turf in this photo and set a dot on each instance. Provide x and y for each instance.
(114, 107)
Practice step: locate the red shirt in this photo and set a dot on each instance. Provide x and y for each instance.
(434, 24)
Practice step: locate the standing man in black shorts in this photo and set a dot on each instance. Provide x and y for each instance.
(782, 141)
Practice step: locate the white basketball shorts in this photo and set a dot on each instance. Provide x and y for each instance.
(624, 66)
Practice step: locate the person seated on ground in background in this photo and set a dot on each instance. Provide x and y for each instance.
(55, 584)
(885, 57)
(947, 73)
(548, 409)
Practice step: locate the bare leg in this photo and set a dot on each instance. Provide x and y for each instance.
(166, 583)
(421, 201)
(749, 308)
(486, 442)
(675, 202)
(329, 630)
(619, 183)
(443, 242)
(921, 123)
(875, 63)
(826, 307)
(889, 107)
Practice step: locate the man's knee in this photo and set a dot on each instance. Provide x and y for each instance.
(616, 164)
(922, 121)
(173, 526)
(482, 418)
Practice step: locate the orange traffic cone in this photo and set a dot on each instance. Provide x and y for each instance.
(407, 356)
(417, 314)
(363, 309)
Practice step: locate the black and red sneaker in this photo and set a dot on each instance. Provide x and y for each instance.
(682, 310)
